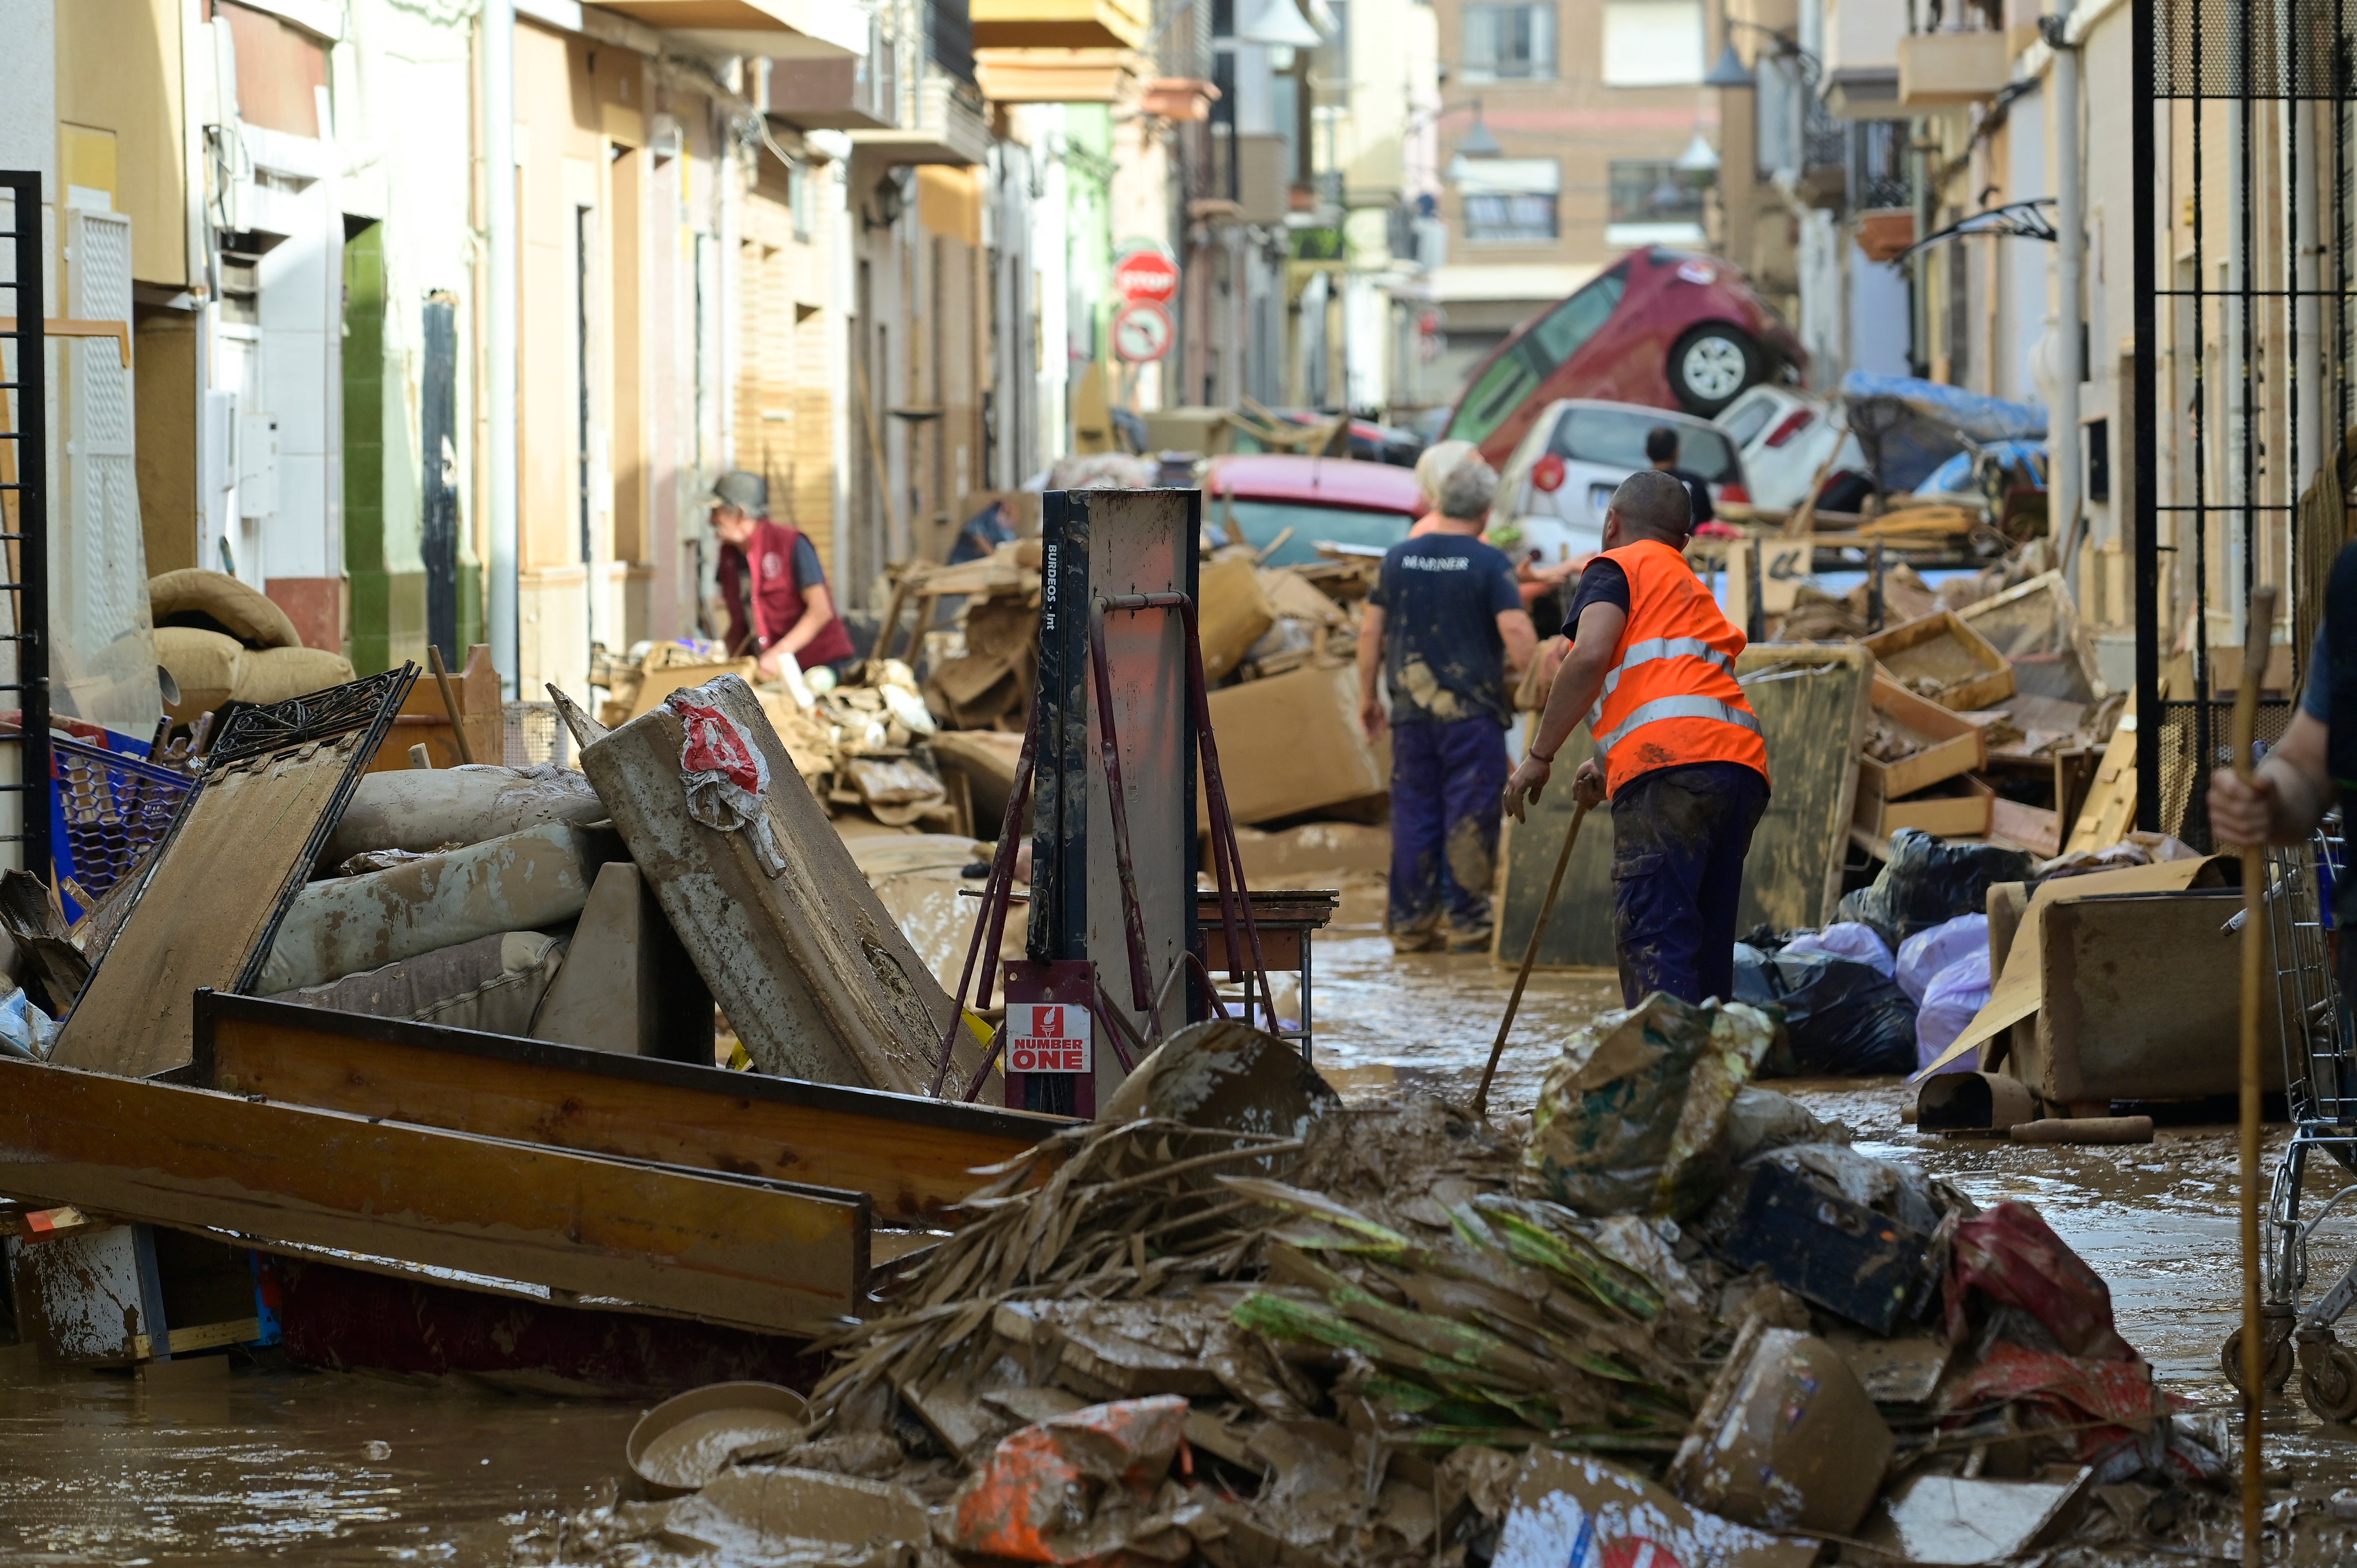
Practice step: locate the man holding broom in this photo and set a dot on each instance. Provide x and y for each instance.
(1678, 750)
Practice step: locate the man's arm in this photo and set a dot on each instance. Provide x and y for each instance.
(1576, 686)
(2291, 790)
(1521, 636)
(818, 608)
(1371, 663)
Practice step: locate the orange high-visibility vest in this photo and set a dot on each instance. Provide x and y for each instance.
(1670, 698)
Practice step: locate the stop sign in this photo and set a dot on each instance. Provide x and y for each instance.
(1146, 275)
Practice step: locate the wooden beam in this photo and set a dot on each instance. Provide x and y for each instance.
(912, 1156)
(736, 1252)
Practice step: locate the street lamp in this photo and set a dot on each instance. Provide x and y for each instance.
(1730, 74)
(1279, 25)
(1476, 142)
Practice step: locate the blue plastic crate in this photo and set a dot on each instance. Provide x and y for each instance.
(106, 811)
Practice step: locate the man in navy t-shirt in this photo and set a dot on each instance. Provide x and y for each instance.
(1445, 626)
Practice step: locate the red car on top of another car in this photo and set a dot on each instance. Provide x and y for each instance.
(1667, 328)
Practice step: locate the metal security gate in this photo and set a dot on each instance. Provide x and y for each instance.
(23, 523)
(2242, 179)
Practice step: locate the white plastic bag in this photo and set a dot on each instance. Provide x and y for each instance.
(1926, 954)
(1954, 997)
(1852, 940)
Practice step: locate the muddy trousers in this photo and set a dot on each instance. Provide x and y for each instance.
(1679, 836)
(1448, 783)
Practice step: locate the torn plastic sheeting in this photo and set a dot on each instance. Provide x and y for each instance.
(725, 777)
(2109, 1414)
(2011, 1257)
(1071, 1489)
(1628, 1117)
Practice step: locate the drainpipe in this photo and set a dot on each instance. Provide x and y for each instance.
(500, 340)
(2065, 486)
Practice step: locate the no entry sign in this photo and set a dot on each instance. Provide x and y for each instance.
(1142, 331)
(1146, 275)
(1048, 1036)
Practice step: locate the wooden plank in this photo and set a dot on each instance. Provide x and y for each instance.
(212, 894)
(731, 1251)
(1580, 934)
(912, 1156)
(1811, 703)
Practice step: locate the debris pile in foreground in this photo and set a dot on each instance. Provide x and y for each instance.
(1234, 1321)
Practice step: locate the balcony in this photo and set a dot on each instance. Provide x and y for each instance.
(1056, 76)
(1949, 70)
(1861, 57)
(950, 126)
(851, 94)
(1062, 23)
(772, 29)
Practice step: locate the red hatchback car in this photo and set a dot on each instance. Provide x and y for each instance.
(1667, 328)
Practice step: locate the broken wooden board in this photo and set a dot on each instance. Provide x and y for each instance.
(1812, 701)
(213, 892)
(737, 1251)
(911, 1155)
(815, 978)
(1579, 936)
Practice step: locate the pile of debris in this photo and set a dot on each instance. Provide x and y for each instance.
(1234, 1321)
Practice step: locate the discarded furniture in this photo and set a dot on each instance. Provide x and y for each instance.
(815, 978)
(737, 1249)
(1286, 920)
(214, 890)
(912, 1156)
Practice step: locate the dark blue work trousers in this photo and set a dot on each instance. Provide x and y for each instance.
(1449, 784)
(1679, 836)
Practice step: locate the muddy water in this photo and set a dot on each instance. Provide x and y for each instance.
(295, 1467)
(299, 1466)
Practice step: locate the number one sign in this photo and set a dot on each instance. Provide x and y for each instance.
(1048, 1036)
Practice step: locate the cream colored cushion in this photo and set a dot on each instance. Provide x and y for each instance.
(215, 601)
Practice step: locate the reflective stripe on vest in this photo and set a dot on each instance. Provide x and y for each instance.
(1645, 654)
(1670, 698)
(1678, 708)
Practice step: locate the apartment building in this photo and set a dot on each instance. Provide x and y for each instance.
(1567, 136)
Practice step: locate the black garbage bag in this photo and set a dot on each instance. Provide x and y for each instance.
(1928, 880)
(1841, 1018)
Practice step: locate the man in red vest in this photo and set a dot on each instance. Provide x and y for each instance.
(1652, 669)
(789, 610)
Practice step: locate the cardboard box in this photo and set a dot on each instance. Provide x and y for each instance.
(1957, 808)
(1950, 745)
(1970, 673)
(2141, 1001)
(1290, 745)
(2020, 989)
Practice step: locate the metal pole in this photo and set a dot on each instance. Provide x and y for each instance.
(2149, 207)
(501, 339)
(2065, 488)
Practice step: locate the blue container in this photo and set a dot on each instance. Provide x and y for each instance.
(106, 811)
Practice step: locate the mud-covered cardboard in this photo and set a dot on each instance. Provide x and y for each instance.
(1572, 1511)
(1291, 745)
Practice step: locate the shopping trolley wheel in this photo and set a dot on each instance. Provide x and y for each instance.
(2279, 1362)
(2328, 1380)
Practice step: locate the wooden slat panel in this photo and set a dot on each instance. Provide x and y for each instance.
(912, 1156)
(236, 857)
(730, 1252)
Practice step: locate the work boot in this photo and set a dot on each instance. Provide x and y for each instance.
(1424, 938)
(1470, 940)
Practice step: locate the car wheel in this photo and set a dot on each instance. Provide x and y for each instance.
(1711, 365)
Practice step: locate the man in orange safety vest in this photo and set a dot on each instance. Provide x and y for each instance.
(1678, 750)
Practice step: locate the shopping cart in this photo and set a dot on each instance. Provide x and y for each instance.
(106, 811)
(2320, 1048)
